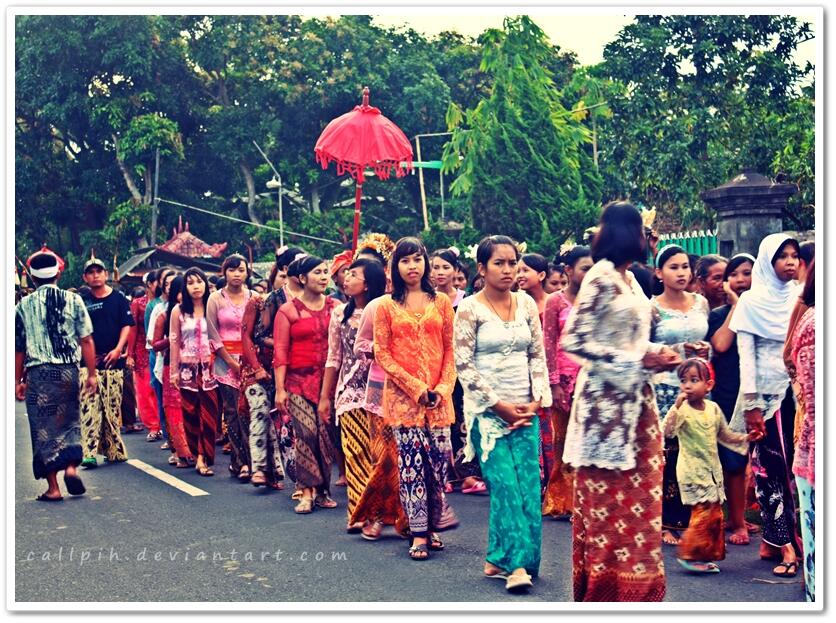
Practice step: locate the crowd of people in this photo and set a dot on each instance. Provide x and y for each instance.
(630, 391)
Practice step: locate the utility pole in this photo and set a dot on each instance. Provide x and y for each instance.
(421, 184)
(155, 208)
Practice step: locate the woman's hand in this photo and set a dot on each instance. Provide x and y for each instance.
(281, 400)
(731, 296)
(664, 360)
(323, 409)
(235, 367)
(755, 423)
(20, 390)
(516, 416)
(701, 349)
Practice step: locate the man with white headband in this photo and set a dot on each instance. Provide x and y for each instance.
(53, 333)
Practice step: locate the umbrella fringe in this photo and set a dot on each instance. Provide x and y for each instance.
(382, 168)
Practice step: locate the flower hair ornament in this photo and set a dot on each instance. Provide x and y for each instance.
(471, 252)
(522, 247)
(567, 246)
(648, 217)
(381, 243)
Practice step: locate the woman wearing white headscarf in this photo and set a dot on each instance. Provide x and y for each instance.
(760, 321)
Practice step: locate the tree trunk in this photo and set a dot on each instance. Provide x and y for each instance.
(129, 180)
(594, 141)
(248, 177)
(149, 186)
(315, 199)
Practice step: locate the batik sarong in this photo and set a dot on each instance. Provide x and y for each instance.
(173, 404)
(675, 515)
(380, 500)
(617, 523)
(146, 399)
(100, 416)
(53, 411)
(314, 449)
(237, 428)
(257, 403)
(515, 522)
(704, 540)
(560, 490)
(422, 467)
(354, 425)
(807, 502)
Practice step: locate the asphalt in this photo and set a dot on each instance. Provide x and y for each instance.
(134, 538)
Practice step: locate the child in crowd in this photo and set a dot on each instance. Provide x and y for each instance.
(699, 423)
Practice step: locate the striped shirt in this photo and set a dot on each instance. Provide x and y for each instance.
(48, 326)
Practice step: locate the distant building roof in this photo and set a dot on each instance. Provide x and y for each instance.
(183, 242)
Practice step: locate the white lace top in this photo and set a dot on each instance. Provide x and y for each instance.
(608, 333)
(497, 360)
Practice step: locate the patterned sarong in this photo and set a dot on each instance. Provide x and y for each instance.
(704, 540)
(314, 450)
(358, 461)
(560, 490)
(52, 409)
(380, 500)
(617, 523)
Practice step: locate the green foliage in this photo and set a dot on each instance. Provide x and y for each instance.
(147, 133)
(519, 155)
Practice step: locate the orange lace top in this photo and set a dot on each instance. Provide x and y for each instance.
(417, 354)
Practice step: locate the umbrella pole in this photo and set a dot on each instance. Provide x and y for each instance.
(358, 194)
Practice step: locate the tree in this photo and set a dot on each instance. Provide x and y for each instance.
(701, 97)
(519, 153)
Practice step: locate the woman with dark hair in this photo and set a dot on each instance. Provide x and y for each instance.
(190, 369)
(461, 277)
(532, 271)
(172, 402)
(413, 335)
(502, 365)
(613, 439)
(737, 279)
(224, 315)
(556, 280)
(709, 272)
(443, 266)
(761, 321)
(300, 338)
(344, 384)
(156, 307)
(804, 465)
(563, 373)
(680, 320)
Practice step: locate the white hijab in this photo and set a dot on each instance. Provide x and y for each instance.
(766, 308)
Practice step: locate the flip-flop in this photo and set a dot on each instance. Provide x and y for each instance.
(419, 549)
(479, 487)
(43, 497)
(435, 542)
(786, 572)
(74, 485)
(710, 567)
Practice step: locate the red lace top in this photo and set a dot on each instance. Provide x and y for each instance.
(300, 338)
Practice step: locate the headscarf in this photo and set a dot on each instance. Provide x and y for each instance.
(765, 309)
(340, 260)
(50, 271)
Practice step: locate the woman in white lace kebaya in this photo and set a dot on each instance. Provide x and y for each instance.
(614, 439)
(501, 365)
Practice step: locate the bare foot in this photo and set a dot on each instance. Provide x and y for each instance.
(668, 538)
(739, 537)
(492, 571)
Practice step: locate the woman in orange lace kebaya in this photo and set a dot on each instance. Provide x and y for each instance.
(413, 343)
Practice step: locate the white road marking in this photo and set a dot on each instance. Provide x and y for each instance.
(167, 478)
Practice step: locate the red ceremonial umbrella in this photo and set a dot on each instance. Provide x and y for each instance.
(359, 139)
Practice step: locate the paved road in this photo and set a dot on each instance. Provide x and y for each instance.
(128, 538)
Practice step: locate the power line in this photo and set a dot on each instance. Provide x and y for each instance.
(238, 220)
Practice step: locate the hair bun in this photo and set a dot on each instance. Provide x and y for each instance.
(455, 251)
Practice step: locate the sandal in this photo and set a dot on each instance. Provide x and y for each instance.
(354, 528)
(258, 479)
(492, 571)
(448, 488)
(371, 532)
(304, 507)
(244, 474)
(278, 485)
(205, 471)
(43, 497)
(74, 485)
(518, 582)
(323, 501)
(479, 487)
(435, 542)
(698, 567)
(172, 460)
(297, 495)
(182, 464)
(787, 566)
(419, 552)
(739, 539)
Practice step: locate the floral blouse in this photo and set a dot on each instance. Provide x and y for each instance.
(300, 338)
(255, 354)
(224, 318)
(698, 469)
(191, 353)
(608, 332)
(675, 328)
(353, 371)
(804, 358)
(498, 360)
(417, 354)
(562, 368)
